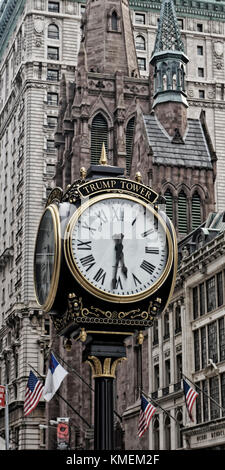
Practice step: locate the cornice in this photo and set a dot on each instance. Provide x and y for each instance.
(201, 9)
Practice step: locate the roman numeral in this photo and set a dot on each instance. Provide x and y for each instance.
(83, 245)
(151, 250)
(100, 276)
(148, 232)
(136, 280)
(147, 266)
(102, 216)
(116, 283)
(88, 261)
(118, 213)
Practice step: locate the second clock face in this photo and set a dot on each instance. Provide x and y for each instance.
(118, 248)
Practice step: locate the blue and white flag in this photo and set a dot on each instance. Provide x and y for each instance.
(56, 374)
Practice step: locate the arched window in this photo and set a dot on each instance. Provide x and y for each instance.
(53, 31)
(114, 21)
(156, 433)
(140, 43)
(182, 212)
(169, 203)
(179, 418)
(195, 211)
(99, 134)
(167, 433)
(129, 143)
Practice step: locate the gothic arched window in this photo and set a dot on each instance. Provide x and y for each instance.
(99, 134)
(195, 211)
(129, 143)
(53, 31)
(169, 204)
(140, 43)
(182, 212)
(114, 21)
(156, 433)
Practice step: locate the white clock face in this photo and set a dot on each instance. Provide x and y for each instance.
(119, 247)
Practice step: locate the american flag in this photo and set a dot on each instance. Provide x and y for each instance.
(146, 413)
(33, 393)
(190, 397)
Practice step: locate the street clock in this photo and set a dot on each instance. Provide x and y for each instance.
(118, 248)
(105, 255)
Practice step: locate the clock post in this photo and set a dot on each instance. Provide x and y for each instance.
(104, 268)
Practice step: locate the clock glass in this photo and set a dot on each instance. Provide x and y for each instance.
(47, 258)
(118, 248)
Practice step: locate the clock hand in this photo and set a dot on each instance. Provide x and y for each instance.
(119, 257)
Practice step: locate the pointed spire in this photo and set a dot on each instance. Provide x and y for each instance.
(103, 158)
(168, 36)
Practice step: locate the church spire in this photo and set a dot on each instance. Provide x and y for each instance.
(169, 61)
(108, 38)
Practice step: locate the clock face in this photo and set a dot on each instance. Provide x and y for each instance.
(118, 248)
(46, 258)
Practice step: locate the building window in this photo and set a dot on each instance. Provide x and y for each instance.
(177, 319)
(203, 347)
(53, 75)
(199, 27)
(53, 53)
(156, 377)
(140, 43)
(167, 433)
(180, 23)
(53, 31)
(99, 135)
(129, 143)
(155, 332)
(201, 94)
(202, 298)
(196, 211)
(182, 213)
(196, 350)
(50, 145)
(212, 341)
(222, 339)
(211, 294)
(200, 72)
(169, 204)
(199, 50)
(139, 18)
(156, 433)
(179, 367)
(167, 373)
(52, 99)
(214, 394)
(219, 283)
(52, 122)
(166, 325)
(141, 63)
(114, 21)
(53, 7)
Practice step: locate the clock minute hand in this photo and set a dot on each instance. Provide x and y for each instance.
(119, 257)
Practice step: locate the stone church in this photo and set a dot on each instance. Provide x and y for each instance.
(144, 126)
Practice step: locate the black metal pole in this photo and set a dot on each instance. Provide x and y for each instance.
(103, 434)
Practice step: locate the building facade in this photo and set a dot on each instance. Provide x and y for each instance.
(40, 48)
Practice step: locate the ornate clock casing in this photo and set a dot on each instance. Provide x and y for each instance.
(112, 261)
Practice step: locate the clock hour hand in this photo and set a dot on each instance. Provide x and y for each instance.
(119, 257)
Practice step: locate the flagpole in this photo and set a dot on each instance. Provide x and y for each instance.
(208, 396)
(60, 396)
(156, 403)
(82, 379)
(6, 418)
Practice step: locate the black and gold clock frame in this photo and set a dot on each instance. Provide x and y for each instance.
(105, 255)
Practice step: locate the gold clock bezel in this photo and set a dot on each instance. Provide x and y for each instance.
(57, 258)
(74, 269)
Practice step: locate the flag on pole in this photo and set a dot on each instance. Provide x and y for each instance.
(190, 397)
(56, 374)
(146, 413)
(33, 393)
